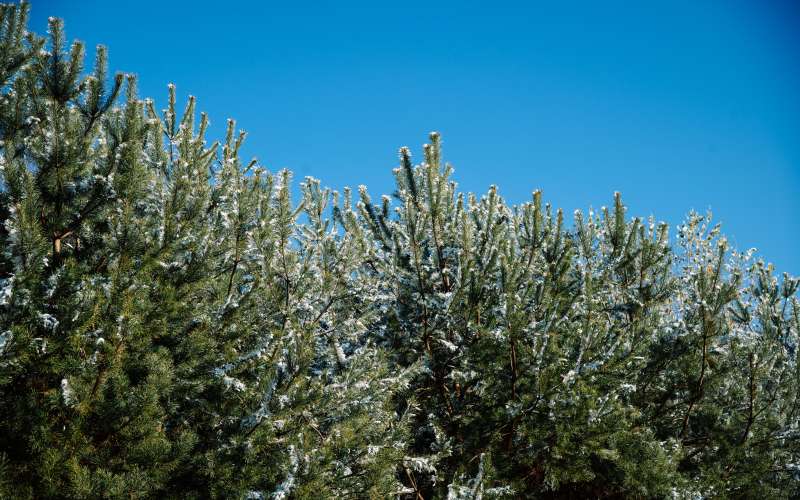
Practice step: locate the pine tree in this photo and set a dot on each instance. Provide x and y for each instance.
(169, 329)
(591, 362)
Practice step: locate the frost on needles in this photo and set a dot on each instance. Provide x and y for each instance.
(174, 325)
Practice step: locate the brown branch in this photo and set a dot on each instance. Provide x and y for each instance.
(751, 402)
(696, 398)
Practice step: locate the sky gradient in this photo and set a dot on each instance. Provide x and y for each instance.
(679, 105)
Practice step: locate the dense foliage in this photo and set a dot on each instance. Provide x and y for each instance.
(174, 325)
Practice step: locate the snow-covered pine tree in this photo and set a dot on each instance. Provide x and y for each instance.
(168, 327)
(589, 362)
(510, 320)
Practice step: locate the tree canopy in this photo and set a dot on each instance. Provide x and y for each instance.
(174, 323)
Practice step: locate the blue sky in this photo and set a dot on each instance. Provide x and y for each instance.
(678, 104)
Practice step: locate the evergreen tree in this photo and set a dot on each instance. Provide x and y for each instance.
(594, 362)
(169, 329)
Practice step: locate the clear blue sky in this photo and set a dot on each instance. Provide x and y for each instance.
(678, 104)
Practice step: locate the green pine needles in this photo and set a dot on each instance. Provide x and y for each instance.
(174, 325)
